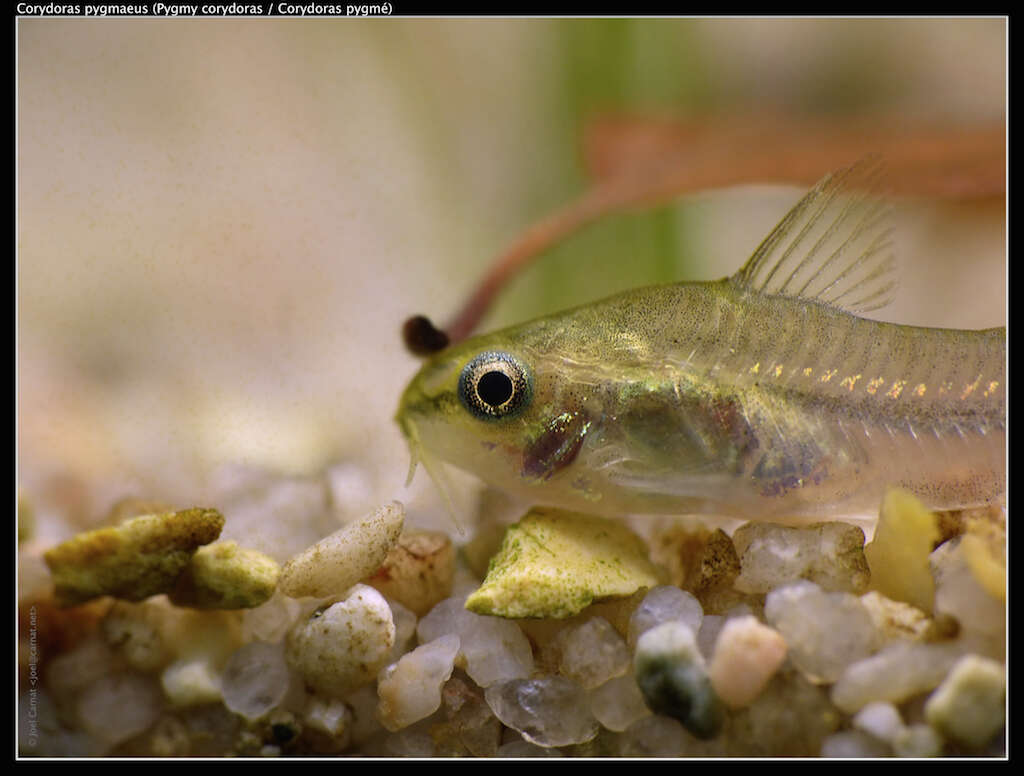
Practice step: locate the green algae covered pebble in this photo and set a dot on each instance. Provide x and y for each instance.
(226, 576)
(969, 706)
(673, 678)
(555, 564)
(139, 558)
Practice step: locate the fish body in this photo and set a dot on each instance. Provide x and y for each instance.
(760, 396)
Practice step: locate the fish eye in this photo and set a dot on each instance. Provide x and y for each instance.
(495, 385)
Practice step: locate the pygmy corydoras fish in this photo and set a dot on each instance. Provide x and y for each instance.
(760, 396)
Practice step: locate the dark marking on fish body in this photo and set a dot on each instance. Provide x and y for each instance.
(557, 446)
(784, 474)
(727, 415)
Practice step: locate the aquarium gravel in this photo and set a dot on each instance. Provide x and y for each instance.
(760, 640)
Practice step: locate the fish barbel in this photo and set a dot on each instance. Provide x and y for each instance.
(760, 396)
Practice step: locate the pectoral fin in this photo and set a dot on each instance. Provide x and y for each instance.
(557, 446)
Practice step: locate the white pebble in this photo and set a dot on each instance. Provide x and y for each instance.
(707, 636)
(825, 631)
(410, 689)
(664, 603)
(191, 681)
(895, 674)
(343, 646)
(918, 740)
(853, 743)
(405, 629)
(133, 631)
(329, 716)
(411, 742)
(493, 649)
(618, 703)
(363, 703)
(118, 707)
(255, 679)
(880, 720)
(747, 655)
(68, 674)
(592, 653)
(271, 621)
(523, 748)
(346, 557)
(654, 736)
(959, 594)
(969, 707)
(550, 711)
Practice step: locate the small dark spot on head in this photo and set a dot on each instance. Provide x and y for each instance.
(421, 337)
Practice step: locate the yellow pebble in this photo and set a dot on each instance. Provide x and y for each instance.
(898, 556)
(984, 566)
(555, 564)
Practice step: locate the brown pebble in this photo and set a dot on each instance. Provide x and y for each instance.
(418, 572)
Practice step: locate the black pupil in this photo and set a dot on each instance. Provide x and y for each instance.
(495, 388)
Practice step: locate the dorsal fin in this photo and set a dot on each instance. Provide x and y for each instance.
(833, 246)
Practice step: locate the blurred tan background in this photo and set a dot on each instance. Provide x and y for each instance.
(223, 223)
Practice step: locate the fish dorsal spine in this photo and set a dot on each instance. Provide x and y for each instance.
(834, 246)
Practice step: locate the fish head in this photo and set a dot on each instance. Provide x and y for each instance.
(500, 408)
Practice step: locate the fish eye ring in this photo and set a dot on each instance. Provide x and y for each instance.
(495, 385)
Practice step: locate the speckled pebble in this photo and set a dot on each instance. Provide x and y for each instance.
(896, 620)
(898, 554)
(346, 557)
(746, 656)
(418, 572)
(139, 558)
(555, 564)
(696, 558)
(969, 707)
(829, 554)
(672, 676)
(223, 575)
(344, 645)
